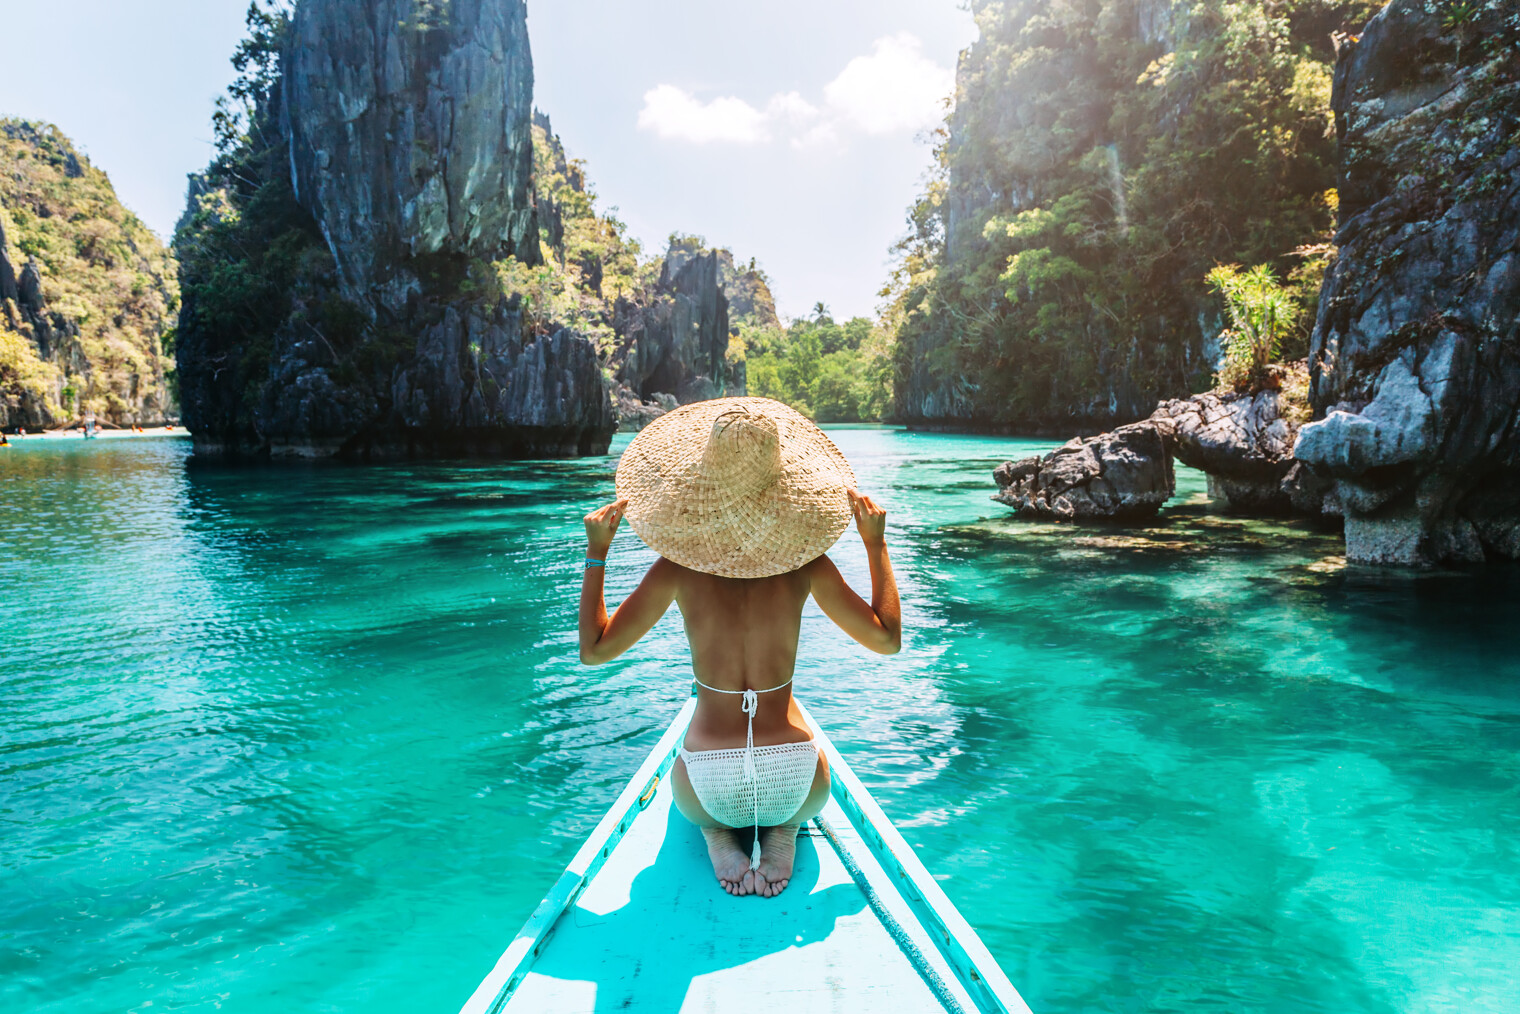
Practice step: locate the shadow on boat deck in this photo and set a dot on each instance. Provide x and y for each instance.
(655, 921)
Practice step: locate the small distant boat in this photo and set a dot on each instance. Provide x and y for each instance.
(637, 921)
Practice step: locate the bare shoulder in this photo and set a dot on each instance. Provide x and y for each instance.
(820, 571)
(667, 571)
(677, 579)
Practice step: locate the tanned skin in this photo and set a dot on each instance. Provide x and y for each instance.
(743, 636)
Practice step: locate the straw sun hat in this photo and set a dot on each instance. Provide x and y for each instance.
(738, 487)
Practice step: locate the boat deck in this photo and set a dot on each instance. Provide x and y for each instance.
(639, 923)
(655, 932)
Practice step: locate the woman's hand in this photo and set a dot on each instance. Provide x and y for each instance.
(870, 520)
(601, 526)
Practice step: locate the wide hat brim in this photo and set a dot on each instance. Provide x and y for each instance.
(713, 524)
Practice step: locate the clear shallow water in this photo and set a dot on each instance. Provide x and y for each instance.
(315, 739)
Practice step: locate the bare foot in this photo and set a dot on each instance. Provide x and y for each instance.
(729, 861)
(778, 849)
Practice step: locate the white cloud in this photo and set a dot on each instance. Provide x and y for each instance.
(671, 112)
(893, 88)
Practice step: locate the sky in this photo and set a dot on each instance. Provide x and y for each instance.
(791, 132)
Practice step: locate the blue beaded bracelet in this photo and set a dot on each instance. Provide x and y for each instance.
(594, 563)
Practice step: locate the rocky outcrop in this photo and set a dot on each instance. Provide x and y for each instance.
(1243, 442)
(477, 385)
(406, 148)
(1415, 357)
(673, 340)
(677, 343)
(1125, 475)
(748, 290)
(84, 312)
(634, 413)
(749, 295)
(410, 136)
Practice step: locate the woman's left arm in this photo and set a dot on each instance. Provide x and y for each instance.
(604, 639)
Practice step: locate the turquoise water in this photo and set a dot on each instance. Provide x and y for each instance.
(314, 738)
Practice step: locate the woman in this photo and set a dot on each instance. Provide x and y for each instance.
(741, 497)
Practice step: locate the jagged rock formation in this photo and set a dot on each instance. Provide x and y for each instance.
(672, 340)
(749, 293)
(1415, 356)
(677, 342)
(1243, 442)
(397, 186)
(87, 292)
(666, 323)
(634, 413)
(1125, 475)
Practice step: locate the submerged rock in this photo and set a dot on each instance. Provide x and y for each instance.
(1415, 357)
(1124, 475)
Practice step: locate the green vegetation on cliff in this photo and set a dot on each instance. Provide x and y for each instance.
(87, 292)
(249, 254)
(588, 259)
(1102, 157)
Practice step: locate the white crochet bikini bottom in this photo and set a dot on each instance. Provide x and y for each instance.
(761, 786)
(783, 776)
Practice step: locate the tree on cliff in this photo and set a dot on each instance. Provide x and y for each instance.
(1101, 158)
(246, 248)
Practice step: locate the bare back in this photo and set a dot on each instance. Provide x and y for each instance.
(743, 636)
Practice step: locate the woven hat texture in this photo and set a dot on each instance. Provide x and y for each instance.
(738, 487)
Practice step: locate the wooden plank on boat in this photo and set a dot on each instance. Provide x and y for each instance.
(637, 921)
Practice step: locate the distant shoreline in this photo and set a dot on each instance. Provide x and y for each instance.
(75, 434)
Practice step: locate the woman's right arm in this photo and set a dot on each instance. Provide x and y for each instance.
(877, 625)
(604, 638)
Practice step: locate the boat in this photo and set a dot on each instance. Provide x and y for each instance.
(637, 922)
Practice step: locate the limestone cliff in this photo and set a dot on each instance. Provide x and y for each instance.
(1099, 160)
(87, 293)
(353, 261)
(410, 142)
(1415, 355)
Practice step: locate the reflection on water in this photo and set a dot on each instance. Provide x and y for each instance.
(315, 738)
